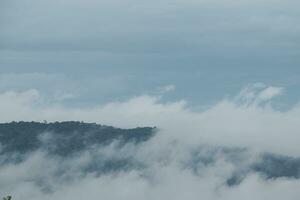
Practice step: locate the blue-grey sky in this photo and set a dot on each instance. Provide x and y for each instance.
(99, 51)
(208, 73)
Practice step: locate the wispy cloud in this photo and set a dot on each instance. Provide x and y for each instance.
(167, 88)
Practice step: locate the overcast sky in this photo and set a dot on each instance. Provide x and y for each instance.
(99, 51)
(208, 73)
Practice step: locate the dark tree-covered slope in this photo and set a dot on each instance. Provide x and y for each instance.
(66, 140)
(64, 137)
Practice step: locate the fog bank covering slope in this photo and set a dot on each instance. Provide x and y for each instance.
(65, 159)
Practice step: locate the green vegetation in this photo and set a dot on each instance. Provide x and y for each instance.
(64, 138)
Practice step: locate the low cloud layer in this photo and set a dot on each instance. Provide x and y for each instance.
(159, 169)
(247, 120)
(215, 154)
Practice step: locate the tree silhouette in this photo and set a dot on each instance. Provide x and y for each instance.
(7, 198)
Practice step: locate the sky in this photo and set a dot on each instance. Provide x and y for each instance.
(101, 51)
(201, 61)
(207, 73)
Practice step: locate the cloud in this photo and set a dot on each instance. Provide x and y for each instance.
(231, 122)
(45, 83)
(269, 93)
(151, 27)
(62, 88)
(168, 173)
(258, 93)
(167, 88)
(194, 154)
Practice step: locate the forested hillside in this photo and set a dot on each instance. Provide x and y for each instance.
(64, 137)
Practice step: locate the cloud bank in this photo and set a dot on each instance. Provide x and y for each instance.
(193, 156)
(247, 120)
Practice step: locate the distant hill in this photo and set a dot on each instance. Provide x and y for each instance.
(64, 137)
(66, 140)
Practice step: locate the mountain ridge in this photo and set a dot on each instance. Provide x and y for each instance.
(67, 136)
